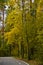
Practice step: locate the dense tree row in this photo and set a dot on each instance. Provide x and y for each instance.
(24, 29)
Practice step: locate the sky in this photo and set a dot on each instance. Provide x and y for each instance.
(32, 0)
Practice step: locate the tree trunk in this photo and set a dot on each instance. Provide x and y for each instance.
(22, 50)
(3, 28)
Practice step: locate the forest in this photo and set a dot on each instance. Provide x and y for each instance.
(21, 31)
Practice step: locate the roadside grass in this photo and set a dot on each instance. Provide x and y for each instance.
(30, 62)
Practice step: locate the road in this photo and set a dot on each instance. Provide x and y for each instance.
(11, 61)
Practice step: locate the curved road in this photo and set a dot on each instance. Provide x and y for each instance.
(11, 61)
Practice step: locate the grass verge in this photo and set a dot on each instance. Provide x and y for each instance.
(30, 62)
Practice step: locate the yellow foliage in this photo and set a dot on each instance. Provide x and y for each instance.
(39, 6)
(14, 23)
(11, 2)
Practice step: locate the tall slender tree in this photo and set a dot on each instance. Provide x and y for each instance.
(2, 4)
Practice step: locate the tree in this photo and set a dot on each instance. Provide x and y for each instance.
(13, 27)
(2, 4)
(39, 24)
(2, 8)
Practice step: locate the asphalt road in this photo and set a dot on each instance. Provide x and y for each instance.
(11, 61)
